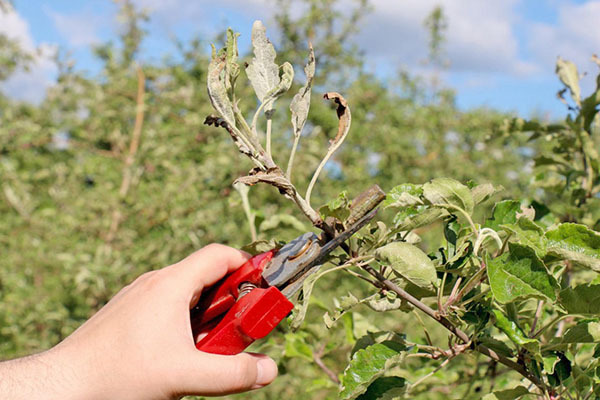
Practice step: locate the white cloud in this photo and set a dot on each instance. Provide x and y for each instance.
(79, 30)
(575, 36)
(28, 85)
(480, 36)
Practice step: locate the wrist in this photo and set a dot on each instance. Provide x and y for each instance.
(43, 376)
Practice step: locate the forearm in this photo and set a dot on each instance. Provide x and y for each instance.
(39, 376)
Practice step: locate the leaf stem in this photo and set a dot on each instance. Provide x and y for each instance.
(269, 122)
(288, 172)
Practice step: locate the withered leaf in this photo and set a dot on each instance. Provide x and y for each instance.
(343, 113)
(272, 176)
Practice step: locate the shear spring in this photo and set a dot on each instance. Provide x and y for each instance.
(245, 288)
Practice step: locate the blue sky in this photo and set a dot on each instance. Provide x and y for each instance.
(501, 54)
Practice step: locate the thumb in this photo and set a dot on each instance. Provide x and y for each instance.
(212, 374)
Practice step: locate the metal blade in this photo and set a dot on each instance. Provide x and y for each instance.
(313, 265)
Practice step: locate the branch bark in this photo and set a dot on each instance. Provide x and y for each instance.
(117, 216)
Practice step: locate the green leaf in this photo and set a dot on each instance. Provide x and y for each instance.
(583, 332)
(408, 221)
(277, 220)
(380, 302)
(338, 208)
(515, 334)
(484, 191)
(583, 299)
(296, 347)
(301, 102)
(530, 234)
(261, 246)
(409, 262)
(382, 387)
(367, 365)
(449, 192)
(497, 345)
(520, 274)
(576, 243)
(404, 195)
(568, 75)
(262, 71)
(504, 213)
(509, 394)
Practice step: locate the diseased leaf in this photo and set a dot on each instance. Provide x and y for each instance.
(446, 191)
(217, 91)
(520, 274)
(409, 262)
(508, 394)
(301, 102)
(504, 213)
(576, 243)
(386, 387)
(583, 332)
(287, 77)
(367, 365)
(582, 299)
(262, 71)
(273, 177)
(568, 75)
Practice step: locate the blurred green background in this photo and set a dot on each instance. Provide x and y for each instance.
(113, 174)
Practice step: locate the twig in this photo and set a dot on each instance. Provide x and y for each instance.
(345, 119)
(471, 283)
(538, 314)
(288, 172)
(250, 216)
(133, 148)
(450, 326)
(317, 357)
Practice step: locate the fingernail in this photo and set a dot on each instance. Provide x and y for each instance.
(266, 371)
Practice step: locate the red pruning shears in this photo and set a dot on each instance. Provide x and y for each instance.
(249, 303)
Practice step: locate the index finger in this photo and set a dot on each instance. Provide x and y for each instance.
(209, 264)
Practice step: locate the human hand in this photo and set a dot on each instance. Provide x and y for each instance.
(140, 345)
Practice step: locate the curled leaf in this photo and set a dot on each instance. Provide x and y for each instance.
(272, 176)
(217, 90)
(343, 113)
(568, 75)
(301, 102)
(299, 107)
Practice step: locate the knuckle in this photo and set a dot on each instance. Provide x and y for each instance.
(243, 374)
(214, 247)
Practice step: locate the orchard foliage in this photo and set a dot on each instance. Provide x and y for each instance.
(471, 282)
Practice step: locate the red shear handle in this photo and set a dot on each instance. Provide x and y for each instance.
(252, 317)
